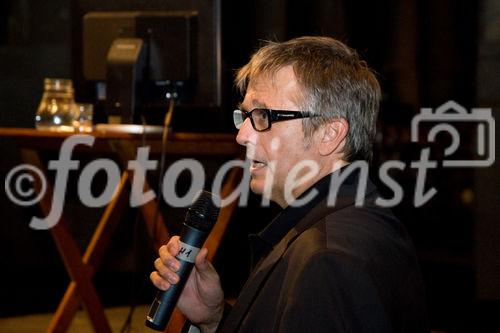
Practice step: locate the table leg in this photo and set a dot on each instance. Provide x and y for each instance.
(92, 257)
(70, 254)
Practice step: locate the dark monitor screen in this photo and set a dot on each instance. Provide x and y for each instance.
(170, 38)
(182, 46)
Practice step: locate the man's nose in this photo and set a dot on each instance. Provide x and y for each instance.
(245, 133)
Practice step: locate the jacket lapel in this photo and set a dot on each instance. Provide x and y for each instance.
(254, 284)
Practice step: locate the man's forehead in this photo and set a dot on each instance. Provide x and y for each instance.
(269, 85)
(271, 76)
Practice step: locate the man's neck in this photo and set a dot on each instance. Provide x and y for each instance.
(325, 170)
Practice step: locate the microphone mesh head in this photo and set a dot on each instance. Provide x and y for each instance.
(203, 212)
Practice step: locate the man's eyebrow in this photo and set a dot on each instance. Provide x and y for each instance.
(259, 104)
(256, 105)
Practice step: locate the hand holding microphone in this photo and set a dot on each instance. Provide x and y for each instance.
(197, 293)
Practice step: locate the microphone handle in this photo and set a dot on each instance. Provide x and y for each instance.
(165, 301)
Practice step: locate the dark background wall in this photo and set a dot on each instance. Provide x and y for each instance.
(425, 52)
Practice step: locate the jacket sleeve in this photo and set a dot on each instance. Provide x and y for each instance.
(332, 293)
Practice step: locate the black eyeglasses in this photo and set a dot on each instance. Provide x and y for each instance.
(262, 119)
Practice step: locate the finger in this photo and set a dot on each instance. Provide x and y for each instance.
(165, 272)
(158, 281)
(168, 258)
(173, 245)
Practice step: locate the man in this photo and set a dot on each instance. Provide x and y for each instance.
(309, 111)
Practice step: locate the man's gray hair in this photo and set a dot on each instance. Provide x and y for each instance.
(336, 83)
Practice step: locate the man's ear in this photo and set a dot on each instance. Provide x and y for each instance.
(333, 134)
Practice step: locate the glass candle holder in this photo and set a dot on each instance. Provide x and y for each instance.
(56, 110)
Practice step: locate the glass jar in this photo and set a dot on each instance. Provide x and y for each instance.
(56, 111)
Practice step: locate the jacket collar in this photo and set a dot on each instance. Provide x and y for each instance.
(282, 232)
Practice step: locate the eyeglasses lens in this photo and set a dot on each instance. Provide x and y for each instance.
(238, 118)
(260, 119)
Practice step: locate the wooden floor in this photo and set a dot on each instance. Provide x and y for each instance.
(81, 324)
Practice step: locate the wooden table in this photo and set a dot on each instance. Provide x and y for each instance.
(124, 144)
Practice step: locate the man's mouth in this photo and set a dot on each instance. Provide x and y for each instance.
(256, 165)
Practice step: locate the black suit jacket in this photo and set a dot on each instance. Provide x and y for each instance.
(340, 268)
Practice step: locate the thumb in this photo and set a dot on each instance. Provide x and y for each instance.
(202, 264)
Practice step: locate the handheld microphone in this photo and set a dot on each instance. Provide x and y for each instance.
(200, 219)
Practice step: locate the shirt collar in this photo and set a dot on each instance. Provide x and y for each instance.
(291, 215)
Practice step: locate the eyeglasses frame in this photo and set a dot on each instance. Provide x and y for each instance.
(274, 116)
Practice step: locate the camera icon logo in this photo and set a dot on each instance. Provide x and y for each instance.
(452, 112)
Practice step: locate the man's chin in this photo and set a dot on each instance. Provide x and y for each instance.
(256, 186)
